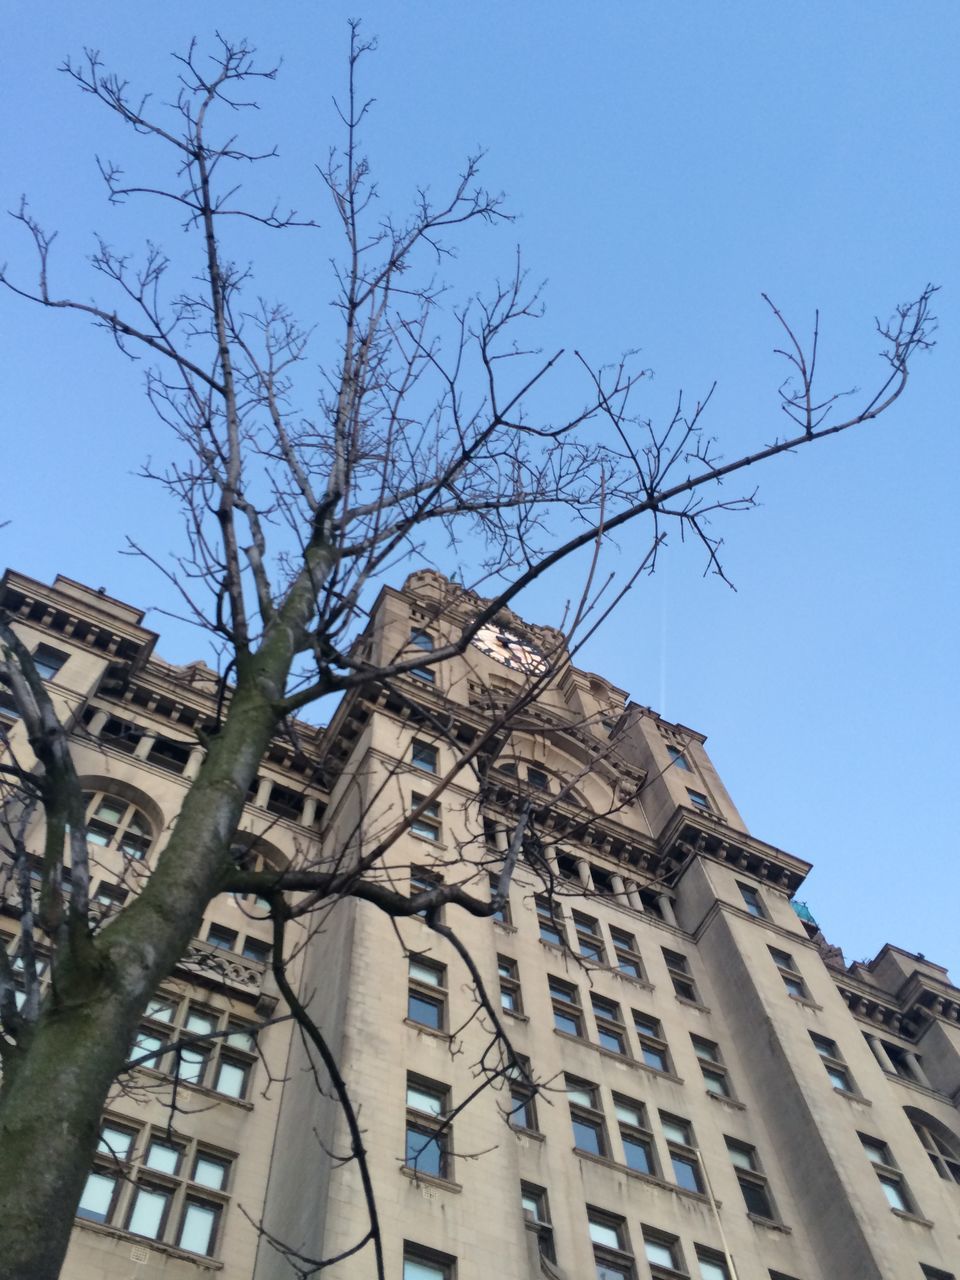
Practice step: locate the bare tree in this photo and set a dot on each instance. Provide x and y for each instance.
(427, 443)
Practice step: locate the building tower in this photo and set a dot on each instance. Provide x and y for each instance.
(701, 1086)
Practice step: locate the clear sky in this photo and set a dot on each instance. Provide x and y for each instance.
(668, 162)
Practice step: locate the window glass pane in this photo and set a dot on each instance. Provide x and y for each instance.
(508, 1000)
(424, 973)
(190, 1066)
(716, 1083)
(894, 1194)
(686, 1173)
(241, 1038)
(629, 1114)
(579, 1096)
(604, 1234)
(586, 1137)
(564, 1022)
(657, 1252)
(232, 1078)
(115, 1142)
(163, 1157)
(148, 1210)
(161, 1010)
(423, 1152)
(199, 1224)
(839, 1079)
(97, 1197)
(426, 1012)
(613, 1271)
(654, 1058)
(637, 1154)
(199, 1023)
(755, 1198)
(740, 1157)
(876, 1152)
(414, 1270)
(423, 1100)
(713, 1270)
(676, 1131)
(211, 1172)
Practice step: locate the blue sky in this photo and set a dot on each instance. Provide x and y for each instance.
(667, 163)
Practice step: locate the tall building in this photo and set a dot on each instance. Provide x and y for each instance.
(710, 1091)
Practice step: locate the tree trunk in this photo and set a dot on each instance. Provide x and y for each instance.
(57, 1080)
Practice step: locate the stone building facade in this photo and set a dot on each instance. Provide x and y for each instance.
(715, 1093)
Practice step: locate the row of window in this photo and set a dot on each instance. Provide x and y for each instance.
(222, 1058)
(158, 1186)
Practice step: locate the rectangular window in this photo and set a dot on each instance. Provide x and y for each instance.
(420, 639)
(427, 1149)
(611, 1248)
(683, 1152)
(751, 900)
(427, 823)
(567, 1016)
(611, 1033)
(509, 984)
(48, 661)
(789, 973)
(550, 920)
(589, 938)
(678, 758)
(678, 967)
(627, 955)
(502, 915)
(424, 756)
(589, 1131)
(426, 1264)
(536, 1211)
(698, 799)
(219, 936)
(423, 880)
(537, 779)
(711, 1065)
(834, 1064)
(752, 1182)
(712, 1265)
(175, 1208)
(638, 1145)
(523, 1111)
(663, 1254)
(888, 1174)
(427, 997)
(256, 949)
(653, 1047)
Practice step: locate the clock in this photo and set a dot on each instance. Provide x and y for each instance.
(507, 647)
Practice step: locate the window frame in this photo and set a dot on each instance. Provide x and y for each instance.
(428, 992)
(609, 1022)
(752, 1179)
(626, 954)
(834, 1064)
(652, 1043)
(549, 920)
(428, 825)
(508, 973)
(752, 902)
(589, 938)
(678, 970)
(425, 756)
(565, 1002)
(431, 1125)
(589, 1115)
(637, 1133)
(538, 1218)
(712, 1065)
(132, 1176)
(789, 974)
(889, 1175)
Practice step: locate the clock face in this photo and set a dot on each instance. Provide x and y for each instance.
(507, 647)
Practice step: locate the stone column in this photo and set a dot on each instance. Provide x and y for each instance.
(144, 746)
(309, 815)
(880, 1053)
(666, 909)
(583, 874)
(192, 767)
(633, 896)
(913, 1062)
(98, 720)
(264, 788)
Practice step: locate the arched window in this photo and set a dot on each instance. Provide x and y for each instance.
(117, 824)
(938, 1142)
